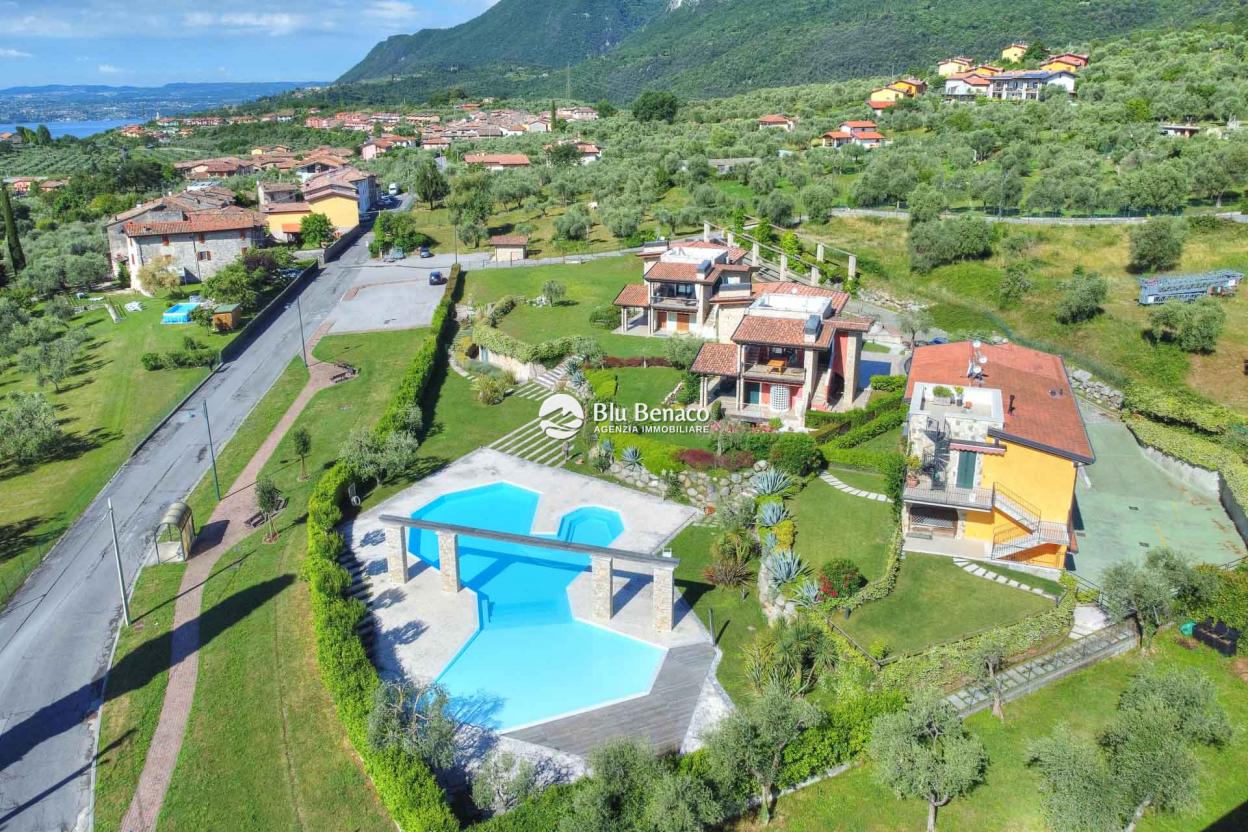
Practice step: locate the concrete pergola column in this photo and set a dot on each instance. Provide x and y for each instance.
(853, 266)
(623, 319)
(755, 258)
(784, 265)
(706, 232)
(448, 561)
(819, 252)
(853, 345)
(732, 240)
(602, 591)
(702, 396)
(396, 554)
(814, 275)
(664, 591)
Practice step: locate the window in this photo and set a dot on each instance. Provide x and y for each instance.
(164, 240)
(779, 398)
(204, 255)
(201, 239)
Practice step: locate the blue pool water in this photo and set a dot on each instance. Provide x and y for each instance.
(530, 660)
(179, 313)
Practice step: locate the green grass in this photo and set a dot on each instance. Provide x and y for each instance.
(105, 409)
(871, 346)
(589, 286)
(648, 385)
(135, 692)
(264, 748)
(833, 524)
(736, 620)
(1010, 799)
(864, 480)
(935, 601)
(884, 442)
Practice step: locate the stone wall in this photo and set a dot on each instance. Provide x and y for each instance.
(698, 487)
(1095, 391)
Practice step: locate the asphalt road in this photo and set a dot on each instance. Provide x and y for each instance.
(57, 634)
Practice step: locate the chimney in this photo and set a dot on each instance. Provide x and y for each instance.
(810, 332)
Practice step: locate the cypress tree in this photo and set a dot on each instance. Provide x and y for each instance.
(17, 260)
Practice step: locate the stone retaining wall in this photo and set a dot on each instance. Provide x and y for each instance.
(698, 487)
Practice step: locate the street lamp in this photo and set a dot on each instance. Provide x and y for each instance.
(303, 344)
(216, 483)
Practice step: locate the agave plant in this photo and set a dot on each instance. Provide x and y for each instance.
(576, 378)
(769, 514)
(806, 594)
(783, 567)
(769, 482)
(632, 457)
(606, 450)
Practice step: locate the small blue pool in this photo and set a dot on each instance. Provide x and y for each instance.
(530, 660)
(179, 313)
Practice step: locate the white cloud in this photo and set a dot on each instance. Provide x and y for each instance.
(14, 53)
(275, 23)
(393, 11)
(110, 69)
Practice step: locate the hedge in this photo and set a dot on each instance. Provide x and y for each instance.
(495, 340)
(542, 811)
(888, 384)
(881, 587)
(1197, 450)
(946, 664)
(827, 424)
(1228, 600)
(885, 422)
(403, 781)
(842, 735)
(1179, 408)
(604, 384)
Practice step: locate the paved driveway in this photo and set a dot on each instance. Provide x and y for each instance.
(1128, 504)
(389, 296)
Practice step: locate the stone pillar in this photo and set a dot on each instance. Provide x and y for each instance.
(784, 265)
(664, 591)
(448, 561)
(814, 275)
(852, 271)
(706, 232)
(623, 319)
(702, 402)
(754, 255)
(819, 252)
(849, 362)
(602, 587)
(396, 554)
(732, 240)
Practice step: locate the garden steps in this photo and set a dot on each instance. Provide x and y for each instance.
(530, 442)
(849, 489)
(1034, 674)
(970, 567)
(531, 390)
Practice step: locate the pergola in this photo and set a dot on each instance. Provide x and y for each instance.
(175, 533)
(602, 561)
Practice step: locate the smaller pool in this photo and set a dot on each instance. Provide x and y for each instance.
(592, 525)
(179, 313)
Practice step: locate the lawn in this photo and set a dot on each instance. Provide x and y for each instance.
(1009, 799)
(736, 620)
(1024, 578)
(864, 480)
(965, 297)
(935, 601)
(135, 692)
(589, 286)
(105, 409)
(833, 524)
(262, 723)
(542, 242)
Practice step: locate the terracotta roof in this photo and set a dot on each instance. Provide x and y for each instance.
(788, 332)
(291, 227)
(683, 272)
(634, 295)
(509, 240)
(518, 159)
(196, 225)
(286, 208)
(837, 134)
(879, 105)
(1045, 412)
(716, 360)
(869, 134)
(774, 119)
(860, 123)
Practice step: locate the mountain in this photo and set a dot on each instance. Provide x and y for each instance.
(550, 33)
(701, 48)
(69, 102)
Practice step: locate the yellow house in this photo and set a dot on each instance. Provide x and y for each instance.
(910, 87)
(887, 94)
(999, 439)
(952, 66)
(1068, 62)
(1014, 53)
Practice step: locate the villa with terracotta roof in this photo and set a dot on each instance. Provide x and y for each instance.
(199, 244)
(1067, 61)
(999, 439)
(497, 161)
(776, 120)
(344, 195)
(172, 208)
(952, 66)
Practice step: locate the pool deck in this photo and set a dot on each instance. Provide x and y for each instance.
(420, 628)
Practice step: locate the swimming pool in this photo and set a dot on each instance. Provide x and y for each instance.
(179, 313)
(530, 660)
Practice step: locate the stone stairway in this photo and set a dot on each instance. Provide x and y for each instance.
(1034, 674)
(972, 568)
(530, 442)
(532, 390)
(551, 378)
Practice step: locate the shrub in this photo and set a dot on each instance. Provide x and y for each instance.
(771, 482)
(1156, 244)
(697, 459)
(948, 241)
(795, 453)
(1227, 597)
(604, 384)
(605, 317)
(1195, 327)
(1179, 407)
(1081, 297)
(840, 578)
(656, 455)
(890, 420)
(888, 384)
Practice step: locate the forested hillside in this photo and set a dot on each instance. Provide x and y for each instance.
(550, 33)
(720, 47)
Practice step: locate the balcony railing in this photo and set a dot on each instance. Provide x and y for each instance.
(775, 372)
(674, 302)
(938, 492)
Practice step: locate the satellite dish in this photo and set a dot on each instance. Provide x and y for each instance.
(976, 344)
(983, 359)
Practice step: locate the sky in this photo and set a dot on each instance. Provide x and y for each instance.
(151, 42)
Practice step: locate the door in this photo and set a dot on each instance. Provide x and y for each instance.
(660, 319)
(682, 322)
(753, 393)
(966, 469)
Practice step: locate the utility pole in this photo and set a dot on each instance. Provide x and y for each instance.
(303, 344)
(216, 483)
(121, 578)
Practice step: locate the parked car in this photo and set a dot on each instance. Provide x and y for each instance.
(425, 252)
(394, 255)
(436, 278)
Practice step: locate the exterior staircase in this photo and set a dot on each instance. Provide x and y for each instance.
(551, 378)
(1009, 542)
(1015, 507)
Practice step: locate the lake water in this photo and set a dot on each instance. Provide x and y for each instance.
(81, 129)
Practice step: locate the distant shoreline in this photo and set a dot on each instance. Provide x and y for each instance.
(80, 129)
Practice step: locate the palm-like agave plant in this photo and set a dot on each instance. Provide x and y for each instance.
(769, 514)
(576, 377)
(729, 572)
(806, 594)
(606, 450)
(769, 482)
(783, 567)
(632, 457)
